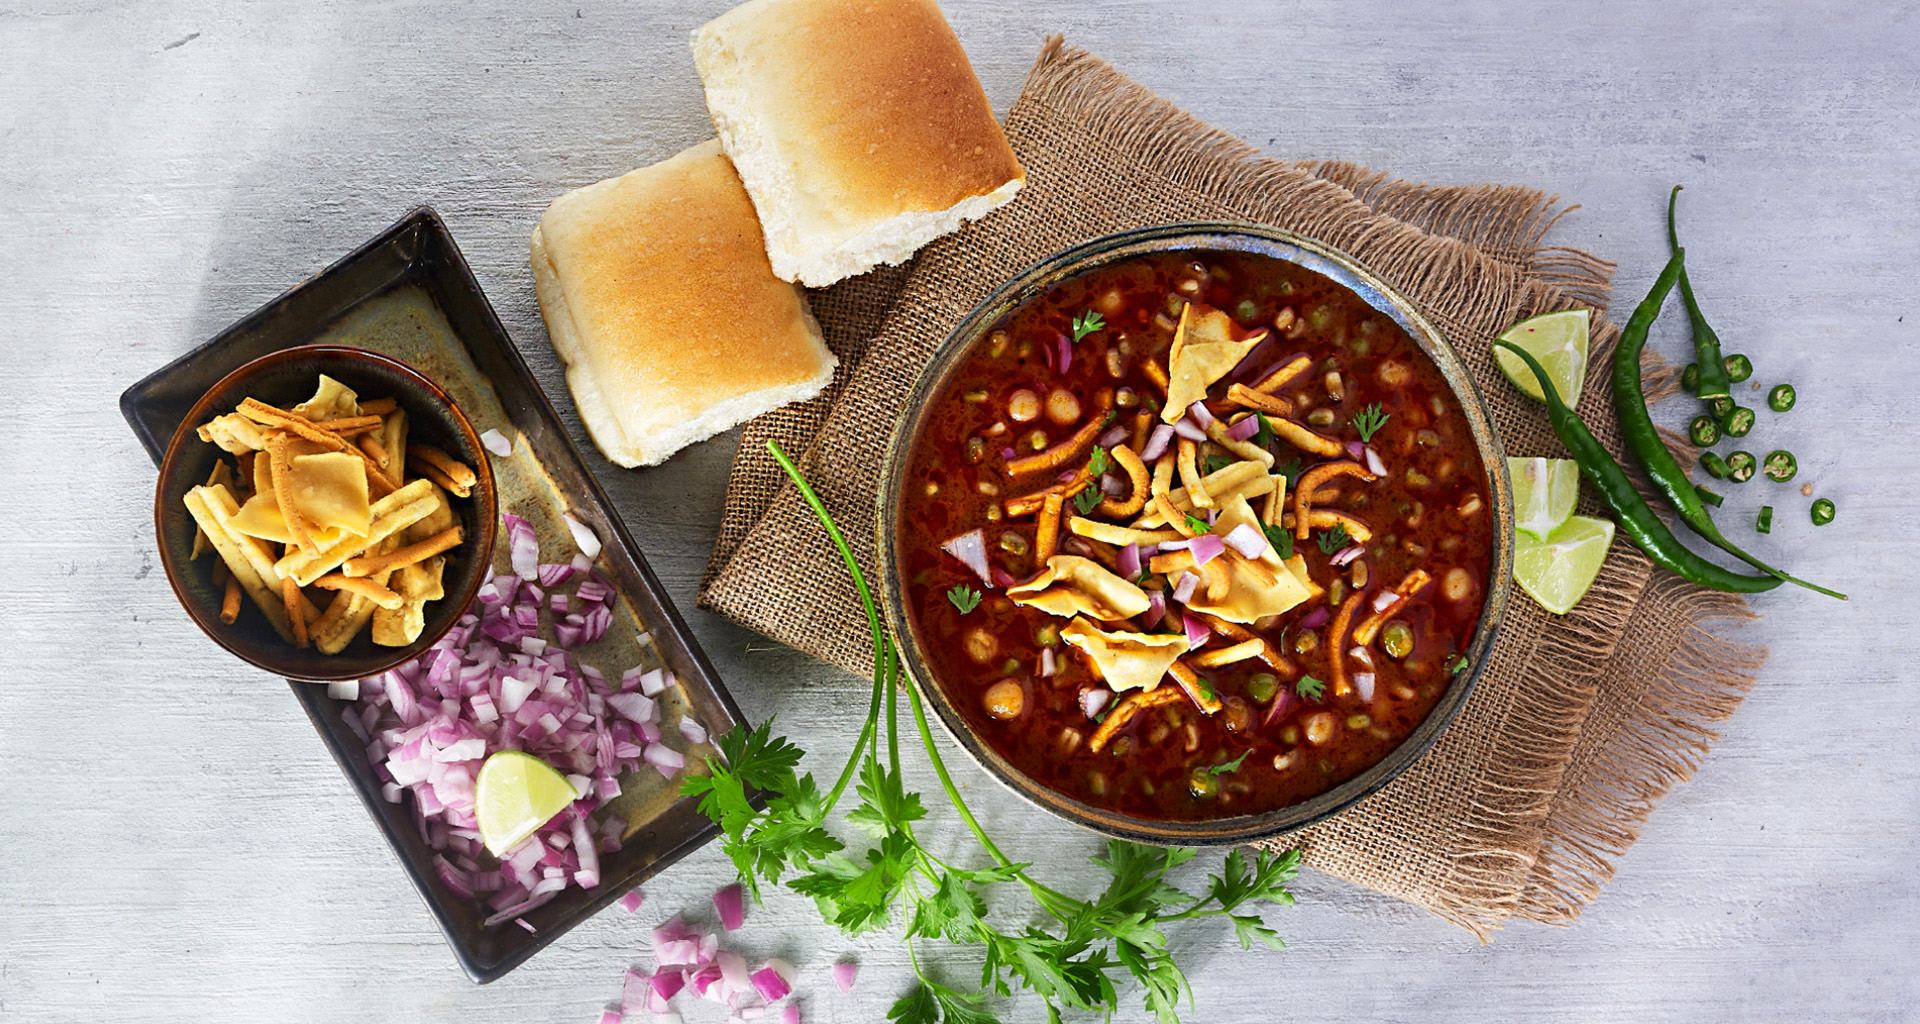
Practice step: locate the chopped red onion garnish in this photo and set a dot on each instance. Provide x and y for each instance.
(771, 986)
(1156, 609)
(728, 903)
(1361, 655)
(1113, 437)
(1374, 465)
(1129, 562)
(1183, 587)
(631, 901)
(523, 548)
(345, 689)
(1157, 442)
(583, 537)
(1206, 547)
(1245, 429)
(790, 1014)
(552, 574)
(665, 758)
(843, 975)
(1247, 540)
(1003, 578)
(1188, 429)
(1066, 353)
(1316, 618)
(1091, 701)
(971, 549)
(1346, 554)
(1046, 663)
(1356, 450)
(1384, 600)
(611, 1017)
(1175, 545)
(1197, 632)
(695, 733)
(1363, 683)
(1282, 703)
(1008, 453)
(1201, 415)
(496, 442)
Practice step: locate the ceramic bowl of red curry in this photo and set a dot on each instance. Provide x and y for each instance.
(1059, 464)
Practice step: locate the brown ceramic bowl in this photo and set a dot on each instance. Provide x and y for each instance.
(1197, 238)
(287, 378)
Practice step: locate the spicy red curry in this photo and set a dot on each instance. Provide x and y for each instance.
(1195, 535)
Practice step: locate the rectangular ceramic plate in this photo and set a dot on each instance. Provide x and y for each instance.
(409, 293)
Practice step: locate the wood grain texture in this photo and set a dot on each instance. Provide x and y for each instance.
(179, 848)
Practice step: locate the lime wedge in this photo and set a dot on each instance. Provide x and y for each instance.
(1559, 341)
(1557, 571)
(1543, 494)
(515, 794)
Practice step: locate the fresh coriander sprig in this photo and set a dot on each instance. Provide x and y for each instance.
(1229, 766)
(1369, 421)
(1075, 960)
(1197, 524)
(1333, 540)
(1215, 463)
(1281, 540)
(1099, 462)
(1264, 436)
(1309, 688)
(1457, 664)
(1088, 497)
(1087, 324)
(964, 598)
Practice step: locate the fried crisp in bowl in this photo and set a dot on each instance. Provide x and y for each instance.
(345, 503)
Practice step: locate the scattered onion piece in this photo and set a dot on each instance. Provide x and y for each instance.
(1247, 540)
(1156, 609)
(1245, 429)
(1157, 442)
(583, 537)
(1363, 682)
(790, 1014)
(1184, 586)
(1374, 465)
(1357, 450)
(1316, 618)
(1201, 415)
(1346, 554)
(730, 907)
(1046, 663)
(1129, 562)
(771, 986)
(1206, 547)
(496, 442)
(631, 901)
(523, 547)
(1188, 429)
(1091, 701)
(1197, 632)
(843, 974)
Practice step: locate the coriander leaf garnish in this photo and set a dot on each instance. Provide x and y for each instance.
(1099, 462)
(1230, 766)
(1264, 436)
(1077, 955)
(1145, 574)
(1087, 324)
(1333, 540)
(1309, 688)
(1197, 524)
(964, 598)
(1457, 664)
(1291, 470)
(1281, 540)
(1369, 421)
(1088, 497)
(1215, 463)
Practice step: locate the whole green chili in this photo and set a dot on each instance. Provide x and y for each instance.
(1635, 517)
(1706, 344)
(1644, 440)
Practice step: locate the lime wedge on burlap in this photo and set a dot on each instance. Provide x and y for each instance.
(514, 795)
(1559, 341)
(1543, 494)
(1558, 570)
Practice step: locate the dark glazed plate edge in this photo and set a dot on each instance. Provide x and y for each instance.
(419, 249)
(1260, 239)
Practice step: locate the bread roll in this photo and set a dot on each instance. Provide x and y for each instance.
(658, 297)
(858, 127)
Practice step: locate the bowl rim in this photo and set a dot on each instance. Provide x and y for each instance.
(485, 518)
(1211, 236)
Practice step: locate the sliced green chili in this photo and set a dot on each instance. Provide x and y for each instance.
(1739, 368)
(1822, 512)
(1706, 344)
(1721, 407)
(1780, 466)
(1781, 398)
(1740, 466)
(1690, 377)
(1635, 517)
(1708, 496)
(1765, 523)
(1650, 449)
(1738, 422)
(1704, 431)
(1714, 465)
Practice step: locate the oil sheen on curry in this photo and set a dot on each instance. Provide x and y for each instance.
(1195, 535)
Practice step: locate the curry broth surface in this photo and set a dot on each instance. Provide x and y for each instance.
(1144, 771)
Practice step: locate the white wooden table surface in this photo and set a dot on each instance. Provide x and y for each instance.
(175, 844)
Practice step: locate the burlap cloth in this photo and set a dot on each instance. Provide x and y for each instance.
(1580, 724)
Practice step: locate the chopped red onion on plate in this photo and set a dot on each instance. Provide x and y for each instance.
(496, 442)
